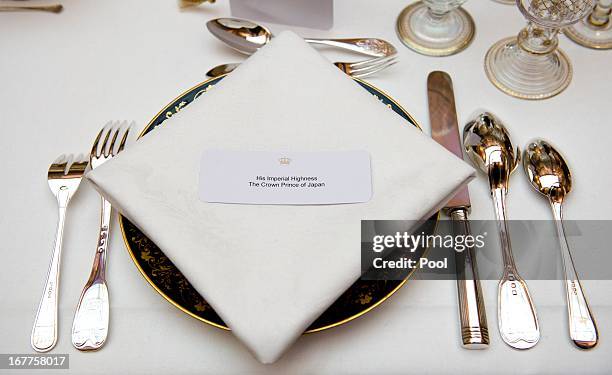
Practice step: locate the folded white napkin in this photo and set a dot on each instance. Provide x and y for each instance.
(270, 270)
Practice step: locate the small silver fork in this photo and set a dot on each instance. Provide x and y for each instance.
(360, 69)
(366, 68)
(90, 324)
(64, 177)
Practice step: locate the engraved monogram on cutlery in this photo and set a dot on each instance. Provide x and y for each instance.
(91, 319)
(64, 177)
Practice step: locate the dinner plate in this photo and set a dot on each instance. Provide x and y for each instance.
(363, 296)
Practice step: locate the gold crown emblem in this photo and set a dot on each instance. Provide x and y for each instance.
(284, 161)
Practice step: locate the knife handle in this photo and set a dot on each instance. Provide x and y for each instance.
(474, 329)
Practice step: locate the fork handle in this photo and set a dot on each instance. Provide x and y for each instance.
(91, 319)
(44, 332)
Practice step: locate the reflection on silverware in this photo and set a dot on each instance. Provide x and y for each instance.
(222, 69)
(55, 8)
(488, 145)
(64, 177)
(90, 325)
(358, 69)
(549, 174)
(445, 131)
(247, 37)
(193, 3)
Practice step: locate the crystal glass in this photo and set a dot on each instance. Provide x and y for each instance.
(436, 27)
(530, 66)
(595, 30)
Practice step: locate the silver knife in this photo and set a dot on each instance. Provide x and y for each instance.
(445, 131)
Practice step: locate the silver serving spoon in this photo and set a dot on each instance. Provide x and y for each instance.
(247, 37)
(488, 145)
(549, 174)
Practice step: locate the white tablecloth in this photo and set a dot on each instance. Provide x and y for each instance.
(63, 76)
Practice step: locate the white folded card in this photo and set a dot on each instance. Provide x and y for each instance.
(270, 270)
(318, 14)
(281, 177)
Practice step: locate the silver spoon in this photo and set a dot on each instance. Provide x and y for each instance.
(247, 37)
(488, 145)
(549, 174)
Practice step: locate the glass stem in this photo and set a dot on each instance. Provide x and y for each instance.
(600, 16)
(436, 17)
(538, 40)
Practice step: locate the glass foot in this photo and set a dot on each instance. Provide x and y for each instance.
(589, 35)
(526, 75)
(432, 36)
(507, 2)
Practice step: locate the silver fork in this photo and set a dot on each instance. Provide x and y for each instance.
(358, 69)
(90, 325)
(64, 177)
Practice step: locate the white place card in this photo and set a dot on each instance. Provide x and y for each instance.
(289, 178)
(316, 14)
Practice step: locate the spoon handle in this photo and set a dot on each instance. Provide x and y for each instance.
(517, 317)
(366, 46)
(583, 330)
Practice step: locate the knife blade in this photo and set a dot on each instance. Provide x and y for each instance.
(445, 131)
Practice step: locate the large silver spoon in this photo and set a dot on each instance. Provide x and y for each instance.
(247, 37)
(488, 145)
(549, 174)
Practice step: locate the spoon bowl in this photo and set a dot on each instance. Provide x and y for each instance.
(546, 169)
(484, 135)
(242, 35)
(487, 141)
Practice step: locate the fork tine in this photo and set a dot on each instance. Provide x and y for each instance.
(77, 168)
(364, 72)
(373, 71)
(111, 147)
(104, 147)
(124, 139)
(371, 62)
(59, 165)
(373, 65)
(80, 159)
(60, 159)
(95, 149)
(68, 164)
